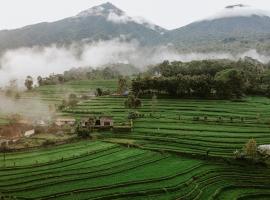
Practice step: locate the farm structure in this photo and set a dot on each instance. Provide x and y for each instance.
(13, 132)
(264, 149)
(103, 122)
(65, 121)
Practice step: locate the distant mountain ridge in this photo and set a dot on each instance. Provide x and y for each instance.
(102, 22)
(237, 28)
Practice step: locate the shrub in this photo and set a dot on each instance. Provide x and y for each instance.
(133, 102)
(82, 132)
(250, 149)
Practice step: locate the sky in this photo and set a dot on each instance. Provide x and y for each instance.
(169, 14)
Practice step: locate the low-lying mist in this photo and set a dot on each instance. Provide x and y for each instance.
(19, 63)
(30, 108)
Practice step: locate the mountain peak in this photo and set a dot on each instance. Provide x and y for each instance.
(115, 15)
(108, 5)
(101, 10)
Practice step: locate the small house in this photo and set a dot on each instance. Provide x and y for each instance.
(11, 132)
(65, 122)
(264, 149)
(29, 133)
(100, 123)
(4, 142)
(104, 121)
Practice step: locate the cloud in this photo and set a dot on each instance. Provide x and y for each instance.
(31, 108)
(19, 63)
(123, 19)
(119, 19)
(238, 11)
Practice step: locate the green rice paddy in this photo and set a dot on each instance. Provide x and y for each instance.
(169, 161)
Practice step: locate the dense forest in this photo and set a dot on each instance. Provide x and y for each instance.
(219, 79)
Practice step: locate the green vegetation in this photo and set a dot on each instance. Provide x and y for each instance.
(29, 83)
(219, 125)
(178, 149)
(207, 79)
(97, 170)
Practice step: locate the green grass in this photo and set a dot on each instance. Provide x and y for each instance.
(101, 170)
(166, 131)
(108, 171)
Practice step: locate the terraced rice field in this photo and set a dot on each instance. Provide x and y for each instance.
(98, 170)
(103, 169)
(228, 126)
(54, 93)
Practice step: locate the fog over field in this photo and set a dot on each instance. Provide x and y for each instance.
(32, 108)
(19, 63)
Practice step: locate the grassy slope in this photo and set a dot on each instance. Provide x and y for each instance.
(165, 130)
(98, 170)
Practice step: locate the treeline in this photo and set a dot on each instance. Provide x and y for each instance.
(111, 71)
(221, 79)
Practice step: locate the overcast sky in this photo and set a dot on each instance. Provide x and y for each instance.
(167, 13)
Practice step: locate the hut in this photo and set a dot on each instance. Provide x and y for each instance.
(29, 133)
(65, 122)
(264, 149)
(105, 121)
(11, 132)
(94, 123)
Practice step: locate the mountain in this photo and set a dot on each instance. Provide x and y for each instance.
(235, 28)
(101, 22)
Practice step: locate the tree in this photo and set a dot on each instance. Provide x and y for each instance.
(122, 85)
(99, 92)
(133, 102)
(82, 132)
(230, 83)
(72, 100)
(39, 80)
(29, 82)
(250, 149)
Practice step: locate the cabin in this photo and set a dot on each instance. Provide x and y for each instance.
(65, 122)
(105, 121)
(100, 123)
(264, 149)
(29, 133)
(4, 142)
(11, 132)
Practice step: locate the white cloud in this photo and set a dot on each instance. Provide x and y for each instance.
(119, 19)
(239, 10)
(19, 63)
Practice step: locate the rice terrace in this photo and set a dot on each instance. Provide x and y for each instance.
(114, 107)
